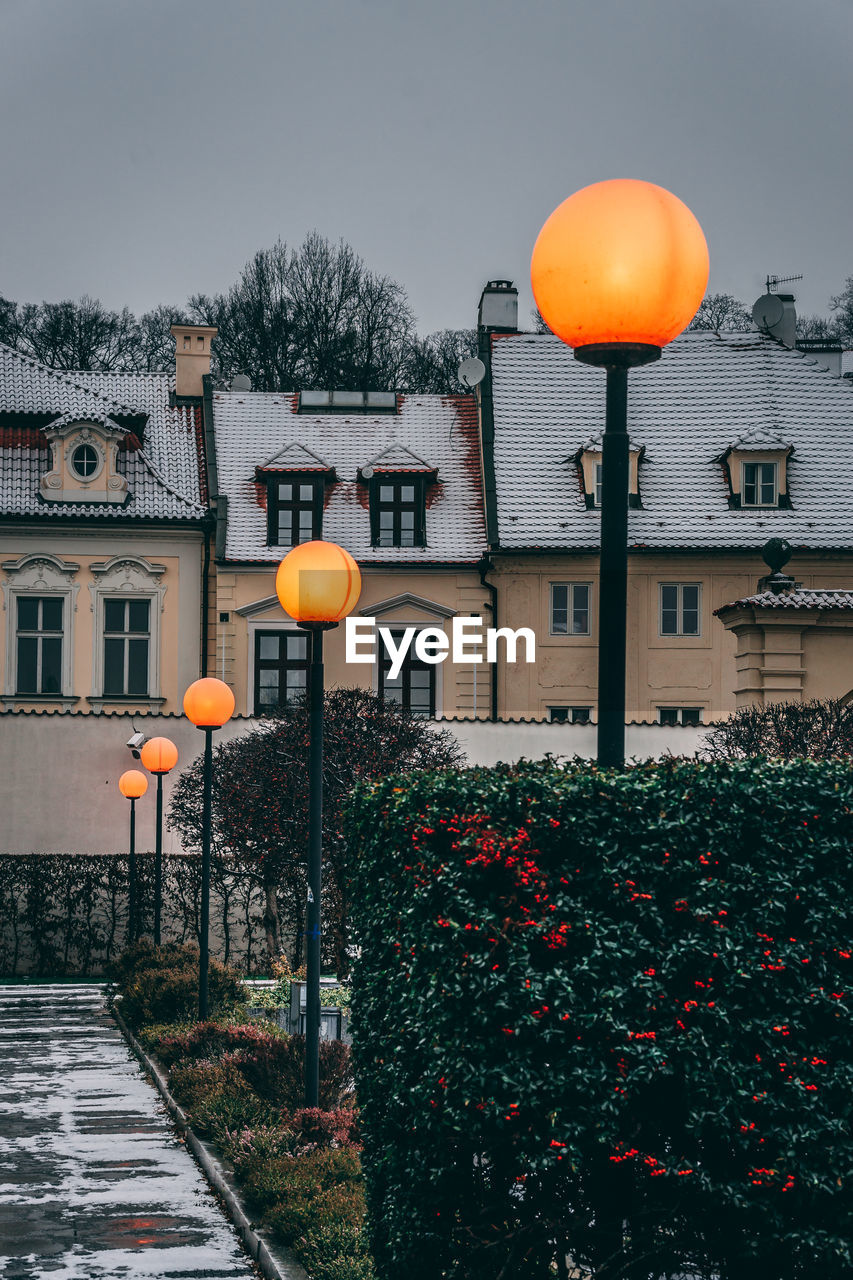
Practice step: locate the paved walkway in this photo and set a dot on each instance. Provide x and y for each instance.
(94, 1183)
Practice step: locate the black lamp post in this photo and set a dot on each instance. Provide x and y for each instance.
(318, 584)
(618, 271)
(132, 784)
(159, 755)
(208, 703)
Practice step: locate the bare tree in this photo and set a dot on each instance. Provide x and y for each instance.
(721, 312)
(432, 363)
(155, 346)
(817, 729)
(842, 305)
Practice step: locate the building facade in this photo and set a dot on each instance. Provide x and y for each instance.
(735, 439)
(103, 525)
(396, 481)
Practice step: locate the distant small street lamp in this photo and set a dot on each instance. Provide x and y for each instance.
(159, 756)
(208, 703)
(618, 271)
(132, 784)
(318, 584)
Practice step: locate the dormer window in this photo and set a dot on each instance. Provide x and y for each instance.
(759, 487)
(294, 509)
(756, 467)
(84, 462)
(590, 464)
(397, 482)
(397, 511)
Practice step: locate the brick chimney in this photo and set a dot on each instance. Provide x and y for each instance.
(192, 357)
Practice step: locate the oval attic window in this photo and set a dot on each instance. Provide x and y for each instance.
(85, 461)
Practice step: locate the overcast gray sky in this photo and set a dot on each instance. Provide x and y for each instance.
(150, 147)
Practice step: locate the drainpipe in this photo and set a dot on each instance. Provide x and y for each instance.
(205, 596)
(485, 566)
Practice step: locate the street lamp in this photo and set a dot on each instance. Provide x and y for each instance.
(132, 784)
(159, 756)
(208, 703)
(318, 584)
(618, 271)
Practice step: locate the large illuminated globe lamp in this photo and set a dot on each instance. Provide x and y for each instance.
(318, 584)
(208, 703)
(133, 784)
(618, 270)
(620, 263)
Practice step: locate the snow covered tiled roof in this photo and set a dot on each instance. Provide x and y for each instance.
(804, 598)
(254, 426)
(687, 409)
(165, 476)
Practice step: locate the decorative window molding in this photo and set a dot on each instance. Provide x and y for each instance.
(38, 576)
(590, 462)
(126, 577)
(70, 479)
(406, 601)
(746, 463)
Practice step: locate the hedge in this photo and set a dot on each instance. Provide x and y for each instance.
(606, 1015)
(66, 914)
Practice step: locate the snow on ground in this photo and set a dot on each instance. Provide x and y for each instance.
(94, 1182)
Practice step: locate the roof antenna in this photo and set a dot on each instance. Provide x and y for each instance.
(772, 282)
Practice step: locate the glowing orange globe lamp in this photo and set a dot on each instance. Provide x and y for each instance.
(619, 262)
(159, 755)
(318, 582)
(132, 784)
(208, 703)
(618, 271)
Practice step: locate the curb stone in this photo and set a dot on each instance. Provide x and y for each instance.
(275, 1262)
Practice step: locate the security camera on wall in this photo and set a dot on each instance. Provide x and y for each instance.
(136, 743)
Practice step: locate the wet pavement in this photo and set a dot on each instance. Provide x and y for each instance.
(94, 1182)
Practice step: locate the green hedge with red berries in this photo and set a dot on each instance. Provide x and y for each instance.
(605, 1016)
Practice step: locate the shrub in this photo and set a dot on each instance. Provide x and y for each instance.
(325, 1128)
(207, 1039)
(275, 1068)
(160, 984)
(606, 1014)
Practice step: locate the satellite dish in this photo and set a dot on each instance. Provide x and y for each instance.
(367, 473)
(240, 382)
(471, 372)
(768, 312)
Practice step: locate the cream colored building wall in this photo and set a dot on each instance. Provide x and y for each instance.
(176, 609)
(661, 670)
(828, 659)
(247, 597)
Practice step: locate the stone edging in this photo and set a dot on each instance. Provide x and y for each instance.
(275, 1263)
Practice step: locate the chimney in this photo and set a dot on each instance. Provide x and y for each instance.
(192, 357)
(499, 307)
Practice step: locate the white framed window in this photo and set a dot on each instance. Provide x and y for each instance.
(570, 608)
(127, 601)
(680, 715)
(759, 484)
(680, 608)
(598, 474)
(40, 597)
(570, 715)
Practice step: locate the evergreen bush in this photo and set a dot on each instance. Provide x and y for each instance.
(606, 1014)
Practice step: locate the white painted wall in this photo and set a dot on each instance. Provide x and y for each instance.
(59, 773)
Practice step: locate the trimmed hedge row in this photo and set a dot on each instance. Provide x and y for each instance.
(606, 1015)
(68, 913)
